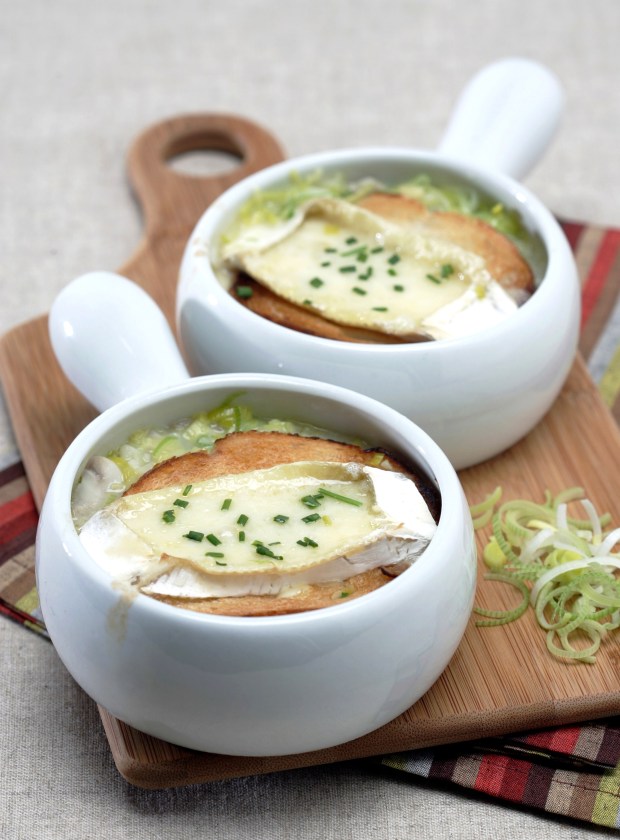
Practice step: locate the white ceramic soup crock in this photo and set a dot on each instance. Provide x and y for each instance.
(244, 686)
(475, 395)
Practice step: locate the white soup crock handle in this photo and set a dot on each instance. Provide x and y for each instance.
(112, 340)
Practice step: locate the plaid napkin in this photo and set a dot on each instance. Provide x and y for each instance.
(573, 771)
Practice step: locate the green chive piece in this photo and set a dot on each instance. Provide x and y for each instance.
(351, 240)
(379, 309)
(367, 274)
(217, 563)
(281, 518)
(377, 250)
(344, 594)
(306, 541)
(446, 270)
(213, 539)
(243, 519)
(188, 487)
(312, 501)
(433, 279)
(180, 503)
(197, 536)
(347, 269)
(392, 272)
(215, 554)
(265, 551)
(168, 516)
(312, 517)
(226, 504)
(325, 264)
(244, 292)
(341, 498)
(241, 536)
(331, 250)
(398, 288)
(361, 250)
(316, 282)
(307, 302)
(359, 291)
(395, 258)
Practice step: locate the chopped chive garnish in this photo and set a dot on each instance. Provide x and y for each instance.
(215, 554)
(361, 249)
(281, 518)
(379, 309)
(316, 282)
(377, 250)
(367, 274)
(344, 594)
(359, 291)
(306, 541)
(433, 279)
(307, 302)
(447, 270)
(325, 264)
(398, 288)
(197, 536)
(188, 487)
(351, 240)
(217, 563)
(257, 542)
(226, 504)
(394, 259)
(244, 292)
(265, 551)
(213, 539)
(243, 519)
(347, 269)
(392, 272)
(241, 536)
(341, 498)
(330, 250)
(311, 501)
(180, 503)
(312, 517)
(168, 516)
(277, 542)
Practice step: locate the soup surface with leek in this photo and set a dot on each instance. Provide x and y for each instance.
(371, 262)
(231, 514)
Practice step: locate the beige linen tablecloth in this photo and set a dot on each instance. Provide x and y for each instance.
(78, 84)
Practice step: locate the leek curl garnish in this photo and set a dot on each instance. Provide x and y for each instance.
(564, 567)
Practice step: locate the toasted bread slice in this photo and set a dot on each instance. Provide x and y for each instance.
(243, 451)
(503, 261)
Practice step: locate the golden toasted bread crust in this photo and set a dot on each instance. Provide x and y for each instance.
(254, 450)
(502, 258)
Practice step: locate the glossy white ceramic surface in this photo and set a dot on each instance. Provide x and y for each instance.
(476, 395)
(257, 686)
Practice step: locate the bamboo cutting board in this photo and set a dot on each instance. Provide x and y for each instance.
(501, 679)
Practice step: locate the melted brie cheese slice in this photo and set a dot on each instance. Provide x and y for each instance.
(356, 268)
(262, 531)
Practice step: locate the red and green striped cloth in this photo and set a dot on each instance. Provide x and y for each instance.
(572, 771)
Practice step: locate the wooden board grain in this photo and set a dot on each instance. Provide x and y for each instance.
(501, 679)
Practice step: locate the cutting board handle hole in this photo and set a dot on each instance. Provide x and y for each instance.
(204, 163)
